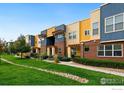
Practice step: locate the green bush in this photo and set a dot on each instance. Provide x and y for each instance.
(64, 58)
(99, 63)
(34, 55)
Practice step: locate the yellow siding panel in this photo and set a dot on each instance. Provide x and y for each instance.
(50, 31)
(85, 25)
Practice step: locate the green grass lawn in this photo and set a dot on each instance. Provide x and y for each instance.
(93, 76)
(13, 75)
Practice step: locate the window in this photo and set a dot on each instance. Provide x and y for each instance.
(95, 28)
(87, 32)
(111, 50)
(59, 50)
(117, 50)
(119, 22)
(73, 51)
(72, 35)
(60, 36)
(86, 48)
(101, 50)
(114, 23)
(109, 24)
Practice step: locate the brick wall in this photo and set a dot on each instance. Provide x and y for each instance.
(92, 54)
(61, 45)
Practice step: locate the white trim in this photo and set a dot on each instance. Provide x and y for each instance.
(113, 16)
(110, 50)
(112, 41)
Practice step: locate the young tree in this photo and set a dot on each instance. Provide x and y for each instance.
(2, 44)
(21, 45)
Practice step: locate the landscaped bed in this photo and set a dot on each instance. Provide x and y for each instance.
(93, 76)
(99, 63)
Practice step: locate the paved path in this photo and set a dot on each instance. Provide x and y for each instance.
(66, 75)
(119, 72)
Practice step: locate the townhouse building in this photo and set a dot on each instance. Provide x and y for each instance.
(85, 35)
(43, 41)
(90, 46)
(37, 46)
(30, 39)
(101, 36)
(60, 40)
(50, 41)
(112, 32)
(73, 39)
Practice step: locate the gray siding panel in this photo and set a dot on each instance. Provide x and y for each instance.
(106, 11)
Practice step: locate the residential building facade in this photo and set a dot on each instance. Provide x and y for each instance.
(43, 41)
(99, 37)
(37, 46)
(73, 39)
(112, 32)
(60, 40)
(50, 41)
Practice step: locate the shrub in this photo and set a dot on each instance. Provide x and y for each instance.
(99, 63)
(50, 58)
(64, 58)
(44, 55)
(35, 55)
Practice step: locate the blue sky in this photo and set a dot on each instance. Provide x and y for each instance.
(16, 19)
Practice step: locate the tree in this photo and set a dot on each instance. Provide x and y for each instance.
(2, 45)
(21, 46)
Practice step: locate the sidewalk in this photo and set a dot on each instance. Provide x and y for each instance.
(119, 72)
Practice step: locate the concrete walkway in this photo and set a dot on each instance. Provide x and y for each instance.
(66, 75)
(119, 72)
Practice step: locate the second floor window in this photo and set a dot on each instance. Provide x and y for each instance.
(95, 28)
(87, 32)
(114, 23)
(72, 35)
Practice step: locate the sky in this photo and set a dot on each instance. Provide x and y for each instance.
(32, 18)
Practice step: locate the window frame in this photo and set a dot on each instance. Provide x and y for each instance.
(87, 31)
(111, 50)
(95, 28)
(113, 16)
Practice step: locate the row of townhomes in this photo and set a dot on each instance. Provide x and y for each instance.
(101, 36)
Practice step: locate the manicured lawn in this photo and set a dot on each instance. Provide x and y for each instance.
(93, 76)
(13, 75)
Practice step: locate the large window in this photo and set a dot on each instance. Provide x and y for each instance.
(111, 50)
(95, 28)
(72, 35)
(109, 24)
(114, 23)
(119, 22)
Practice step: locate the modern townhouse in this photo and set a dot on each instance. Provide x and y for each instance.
(60, 40)
(30, 39)
(73, 39)
(112, 32)
(50, 41)
(43, 41)
(85, 35)
(90, 46)
(37, 46)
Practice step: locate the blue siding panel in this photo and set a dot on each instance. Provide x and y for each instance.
(106, 11)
